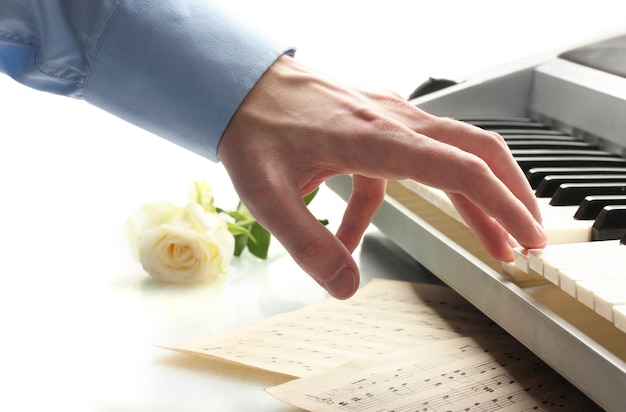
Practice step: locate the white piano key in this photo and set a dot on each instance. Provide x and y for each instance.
(522, 259)
(537, 256)
(569, 277)
(511, 271)
(535, 259)
(619, 317)
(435, 196)
(560, 225)
(586, 290)
(605, 300)
(558, 222)
(551, 267)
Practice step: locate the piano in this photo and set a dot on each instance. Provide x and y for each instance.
(564, 117)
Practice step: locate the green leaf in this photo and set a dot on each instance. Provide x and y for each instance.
(261, 243)
(241, 241)
(238, 230)
(235, 215)
(243, 210)
(249, 233)
(308, 198)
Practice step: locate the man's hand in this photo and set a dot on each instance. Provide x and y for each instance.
(297, 128)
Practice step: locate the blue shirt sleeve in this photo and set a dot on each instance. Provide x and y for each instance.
(177, 68)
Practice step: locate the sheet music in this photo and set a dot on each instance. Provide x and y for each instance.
(384, 316)
(456, 375)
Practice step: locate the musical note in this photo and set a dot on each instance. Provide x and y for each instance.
(394, 347)
(413, 380)
(383, 316)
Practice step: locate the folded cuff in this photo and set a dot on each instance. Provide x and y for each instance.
(178, 69)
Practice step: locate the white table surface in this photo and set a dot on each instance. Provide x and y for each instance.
(80, 321)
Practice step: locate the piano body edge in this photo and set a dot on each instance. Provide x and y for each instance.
(502, 91)
(587, 103)
(568, 94)
(560, 344)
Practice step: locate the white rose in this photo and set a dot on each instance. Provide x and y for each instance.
(181, 245)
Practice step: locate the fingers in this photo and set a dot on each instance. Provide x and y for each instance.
(491, 208)
(276, 149)
(508, 198)
(492, 148)
(488, 231)
(499, 205)
(316, 250)
(488, 146)
(490, 197)
(367, 196)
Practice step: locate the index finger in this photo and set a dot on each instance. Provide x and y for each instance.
(406, 154)
(492, 148)
(488, 146)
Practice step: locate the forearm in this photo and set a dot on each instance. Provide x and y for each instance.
(179, 69)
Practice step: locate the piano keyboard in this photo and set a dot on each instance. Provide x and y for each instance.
(586, 272)
(572, 193)
(568, 235)
(563, 119)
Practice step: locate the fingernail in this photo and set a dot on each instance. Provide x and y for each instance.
(513, 243)
(342, 283)
(539, 226)
(542, 232)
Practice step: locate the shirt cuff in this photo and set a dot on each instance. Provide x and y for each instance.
(178, 69)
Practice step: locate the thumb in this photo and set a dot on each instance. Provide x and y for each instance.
(314, 248)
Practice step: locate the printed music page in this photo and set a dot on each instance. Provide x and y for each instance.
(456, 375)
(383, 317)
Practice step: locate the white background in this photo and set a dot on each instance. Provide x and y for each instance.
(79, 318)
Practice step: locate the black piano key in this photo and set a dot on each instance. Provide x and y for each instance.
(591, 206)
(551, 183)
(528, 132)
(509, 125)
(555, 153)
(536, 174)
(544, 144)
(610, 224)
(572, 194)
(530, 162)
(510, 137)
(470, 118)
